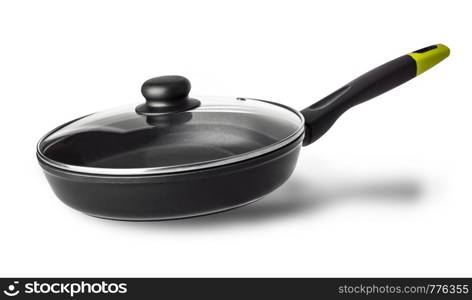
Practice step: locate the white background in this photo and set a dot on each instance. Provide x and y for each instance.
(386, 192)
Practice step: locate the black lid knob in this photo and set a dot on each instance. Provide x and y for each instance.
(166, 94)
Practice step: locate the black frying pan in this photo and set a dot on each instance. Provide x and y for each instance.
(176, 156)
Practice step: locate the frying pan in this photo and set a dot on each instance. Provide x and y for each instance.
(175, 156)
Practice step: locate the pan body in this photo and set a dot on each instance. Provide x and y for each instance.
(175, 195)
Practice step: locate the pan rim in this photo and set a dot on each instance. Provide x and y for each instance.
(176, 168)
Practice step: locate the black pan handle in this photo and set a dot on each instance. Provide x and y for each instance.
(320, 116)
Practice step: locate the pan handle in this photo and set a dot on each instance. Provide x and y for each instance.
(320, 116)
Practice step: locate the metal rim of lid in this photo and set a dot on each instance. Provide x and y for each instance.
(176, 168)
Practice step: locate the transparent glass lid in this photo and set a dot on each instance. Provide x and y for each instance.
(123, 141)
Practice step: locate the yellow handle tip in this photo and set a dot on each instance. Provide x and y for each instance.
(428, 57)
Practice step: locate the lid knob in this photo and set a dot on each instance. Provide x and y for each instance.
(166, 94)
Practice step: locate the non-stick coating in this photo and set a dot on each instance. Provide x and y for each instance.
(176, 195)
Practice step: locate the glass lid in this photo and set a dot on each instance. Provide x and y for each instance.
(170, 133)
